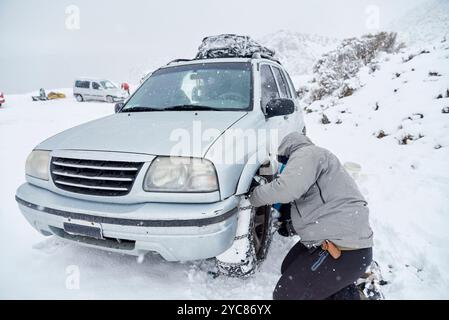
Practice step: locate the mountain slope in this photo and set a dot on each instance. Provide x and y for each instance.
(425, 24)
(298, 51)
(396, 127)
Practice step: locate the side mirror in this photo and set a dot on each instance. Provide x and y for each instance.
(279, 107)
(118, 107)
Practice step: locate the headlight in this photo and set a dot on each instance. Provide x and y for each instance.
(37, 164)
(177, 174)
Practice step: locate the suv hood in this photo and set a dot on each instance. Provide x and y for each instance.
(155, 133)
(115, 91)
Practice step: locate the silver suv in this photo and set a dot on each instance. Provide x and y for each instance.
(85, 89)
(166, 173)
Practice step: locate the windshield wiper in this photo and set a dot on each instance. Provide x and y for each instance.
(190, 107)
(141, 109)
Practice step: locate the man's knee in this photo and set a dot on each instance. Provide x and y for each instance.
(281, 293)
(291, 292)
(277, 295)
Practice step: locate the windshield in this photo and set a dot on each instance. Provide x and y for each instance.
(108, 84)
(206, 86)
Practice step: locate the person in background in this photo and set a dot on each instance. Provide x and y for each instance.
(125, 87)
(329, 214)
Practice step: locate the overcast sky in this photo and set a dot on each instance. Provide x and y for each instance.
(42, 46)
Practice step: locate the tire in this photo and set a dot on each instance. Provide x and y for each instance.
(109, 99)
(258, 237)
(79, 98)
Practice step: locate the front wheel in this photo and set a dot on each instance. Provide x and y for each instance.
(251, 244)
(109, 99)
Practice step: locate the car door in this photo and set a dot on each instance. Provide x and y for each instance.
(96, 91)
(290, 121)
(299, 124)
(270, 90)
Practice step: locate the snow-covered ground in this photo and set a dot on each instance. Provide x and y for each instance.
(407, 187)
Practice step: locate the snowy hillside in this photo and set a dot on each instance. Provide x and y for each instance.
(427, 23)
(396, 126)
(298, 51)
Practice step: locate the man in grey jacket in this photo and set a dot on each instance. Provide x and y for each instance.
(329, 214)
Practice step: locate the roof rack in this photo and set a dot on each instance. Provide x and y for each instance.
(260, 55)
(222, 53)
(255, 55)
(179, 60)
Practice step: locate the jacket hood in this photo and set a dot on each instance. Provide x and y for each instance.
(292, 142)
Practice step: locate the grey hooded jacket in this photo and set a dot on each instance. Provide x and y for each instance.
(326, 202)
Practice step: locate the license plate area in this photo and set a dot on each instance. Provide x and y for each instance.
(83, 228)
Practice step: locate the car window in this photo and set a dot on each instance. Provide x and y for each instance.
(291, 84)
(108, 84)
(282, 82)
(269, 88)
(222, 86)
(95, 86)
(82, 84)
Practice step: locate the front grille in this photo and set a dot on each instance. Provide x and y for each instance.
(94, 177)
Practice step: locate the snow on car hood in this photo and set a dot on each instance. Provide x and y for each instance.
(156, 133)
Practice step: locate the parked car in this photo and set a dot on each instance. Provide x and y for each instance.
(122, 183)
(97, 89)
(2, 98)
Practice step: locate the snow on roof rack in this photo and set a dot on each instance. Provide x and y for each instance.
(230, 46)
(233, 46)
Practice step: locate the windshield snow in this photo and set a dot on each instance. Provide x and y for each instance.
(206, 86)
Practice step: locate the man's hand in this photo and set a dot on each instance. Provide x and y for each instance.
(286, 229)
(254, 184)
(257, 181)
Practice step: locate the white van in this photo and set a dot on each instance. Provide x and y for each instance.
(97, 89)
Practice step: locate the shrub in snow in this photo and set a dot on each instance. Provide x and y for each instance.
(415, 116)
(380, 134)
(335, 68)
(406, 138)
(413, 55)
(445, 110)
(324, 119)
(302, 91)
(346, 90)
(308, 110)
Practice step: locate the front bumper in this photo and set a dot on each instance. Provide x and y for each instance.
(118, 99)
(207, 230)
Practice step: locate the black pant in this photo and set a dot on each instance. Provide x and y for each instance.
(315, 275)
